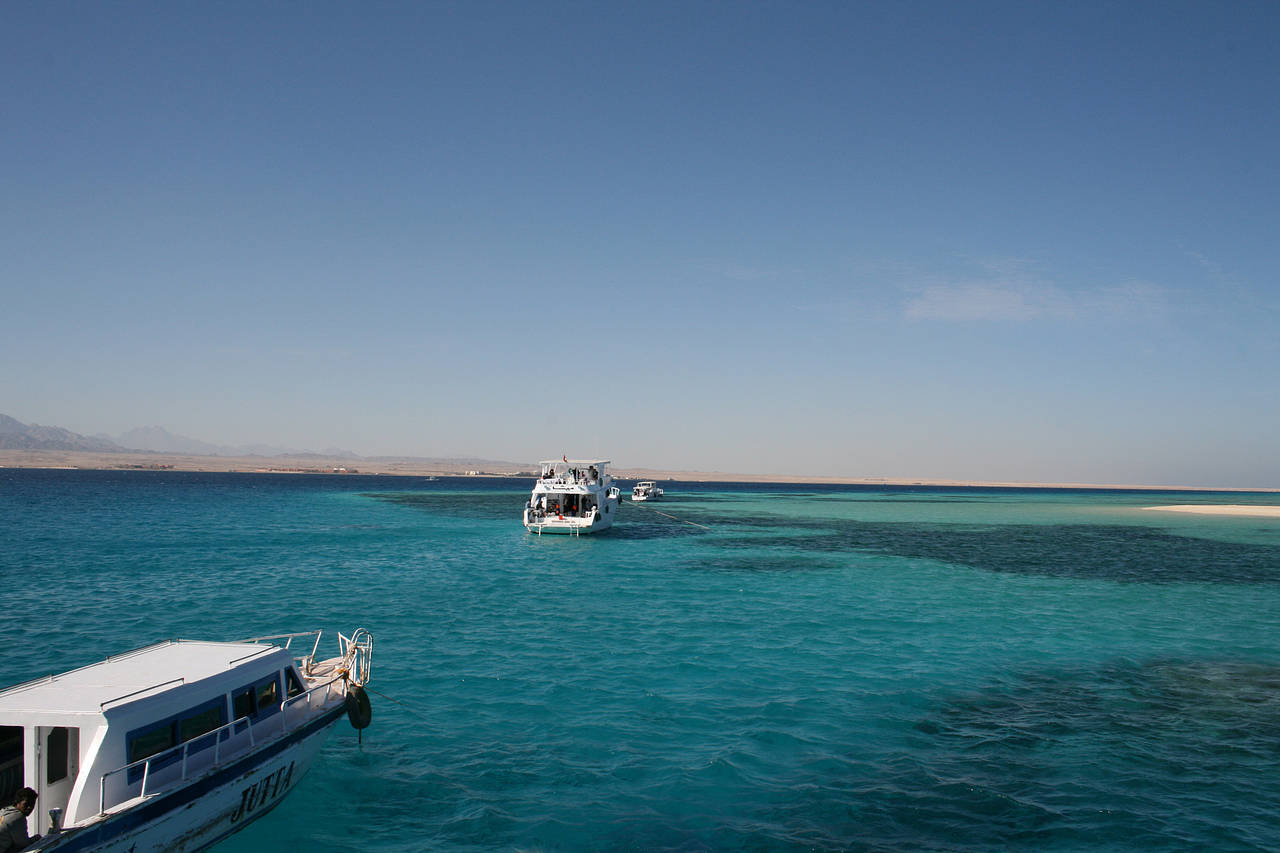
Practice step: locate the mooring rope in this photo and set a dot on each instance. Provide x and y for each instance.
(672, 517)
(417, 714)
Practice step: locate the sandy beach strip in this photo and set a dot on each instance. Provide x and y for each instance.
(1223, 509)
(419, 467)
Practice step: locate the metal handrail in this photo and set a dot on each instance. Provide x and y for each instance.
(223, 732)
(288, 638)
(179, 680)
(316, 647)
(252, 654)
(357, 655)
(306, 695)
(304, 661)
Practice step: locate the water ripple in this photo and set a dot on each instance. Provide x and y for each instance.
(778, 682)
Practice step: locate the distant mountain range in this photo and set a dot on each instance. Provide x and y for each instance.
(159, 440)
(15, 435)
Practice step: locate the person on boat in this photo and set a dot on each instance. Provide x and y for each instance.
(13, 822)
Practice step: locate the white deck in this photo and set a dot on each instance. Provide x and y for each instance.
(146, 671)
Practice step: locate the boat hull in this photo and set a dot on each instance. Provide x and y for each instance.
(569, 526)
(203, 812)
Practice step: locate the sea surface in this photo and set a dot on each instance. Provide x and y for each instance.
(764, 667)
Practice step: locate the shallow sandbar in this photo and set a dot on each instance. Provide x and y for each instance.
(1223, 509)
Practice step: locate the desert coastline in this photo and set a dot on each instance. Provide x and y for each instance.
(1222, 509)
(415, 467)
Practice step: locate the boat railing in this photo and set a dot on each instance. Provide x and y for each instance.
(139, 692)
(210, 750)
(304, 661)
(357, 655)
(572, 481)
(547, 516)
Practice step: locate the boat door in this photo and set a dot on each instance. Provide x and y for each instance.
(57, 763)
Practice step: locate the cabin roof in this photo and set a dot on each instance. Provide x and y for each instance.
(576, 462)
(146, 671)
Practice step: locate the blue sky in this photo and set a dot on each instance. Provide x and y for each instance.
(994, 241)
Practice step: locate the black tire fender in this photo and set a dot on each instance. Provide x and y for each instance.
(359, 711)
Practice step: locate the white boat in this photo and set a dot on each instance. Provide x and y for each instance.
(177, 745)
(646, 490)
(573, 496)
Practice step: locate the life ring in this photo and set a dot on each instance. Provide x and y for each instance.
(359, 711)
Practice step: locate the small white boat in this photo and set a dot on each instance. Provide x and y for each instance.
(572, 496)
(177, 745)
(646, 490)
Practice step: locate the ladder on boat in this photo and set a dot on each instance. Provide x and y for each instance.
(576, 530)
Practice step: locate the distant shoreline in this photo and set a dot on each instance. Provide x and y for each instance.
(314, 464)
(1222, 509)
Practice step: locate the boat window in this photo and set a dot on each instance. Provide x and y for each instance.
(56, 755)
(293, 687)
(150, 741)
(196, 723)
(199, 723)
(261, 699)
(268, 695)
(10, 762)
(190, 725)
(242, 703)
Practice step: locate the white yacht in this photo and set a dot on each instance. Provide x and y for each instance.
(573, 496)
(646, 490)
(177, 745)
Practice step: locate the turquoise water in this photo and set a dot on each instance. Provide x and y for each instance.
(821, 668)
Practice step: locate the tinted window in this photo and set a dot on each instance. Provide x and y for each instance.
(10, 762)
(292, 684)
(242, 704)
(268, 695)
(199, 723)
(150, 742)
(56, 755)
(262, 699)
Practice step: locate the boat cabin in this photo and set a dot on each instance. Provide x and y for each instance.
(570, 488)
(92, 739)
(575, 472)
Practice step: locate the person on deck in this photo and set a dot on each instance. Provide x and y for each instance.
(13, 822)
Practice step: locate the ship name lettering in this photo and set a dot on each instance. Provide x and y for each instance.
(263, 791)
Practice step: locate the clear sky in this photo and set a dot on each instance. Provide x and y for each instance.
(998, 241)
